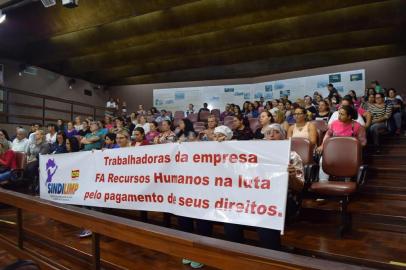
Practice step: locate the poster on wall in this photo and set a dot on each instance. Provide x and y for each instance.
(177, 99)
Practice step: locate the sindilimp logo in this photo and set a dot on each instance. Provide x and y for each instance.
(51, 168)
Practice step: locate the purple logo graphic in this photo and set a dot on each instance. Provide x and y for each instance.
(51, 168)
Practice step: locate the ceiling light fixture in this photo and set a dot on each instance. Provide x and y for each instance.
(2, 16)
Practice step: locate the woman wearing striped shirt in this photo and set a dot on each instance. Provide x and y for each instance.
(380, 113)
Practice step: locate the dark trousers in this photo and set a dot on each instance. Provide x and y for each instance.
(203, 227)
(268, 238)
(31, 171)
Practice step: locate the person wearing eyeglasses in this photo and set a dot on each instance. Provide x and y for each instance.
(380, 113)
(123, 139)
(303, 128)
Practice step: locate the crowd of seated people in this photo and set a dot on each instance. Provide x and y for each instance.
(314, 117)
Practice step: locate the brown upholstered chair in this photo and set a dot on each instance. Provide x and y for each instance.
(192, 117)
(216, 113)
(203, 116)
(21, 162)
(321, 125)
(305, 150)
(199, 125)
(342, 160)
(179, 115)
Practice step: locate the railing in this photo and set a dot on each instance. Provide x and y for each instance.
(213, 252)
(15, 100)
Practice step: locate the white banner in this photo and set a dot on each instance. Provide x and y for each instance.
(242, 182)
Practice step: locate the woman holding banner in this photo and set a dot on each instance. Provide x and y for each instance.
(270, 238)
(204, 227)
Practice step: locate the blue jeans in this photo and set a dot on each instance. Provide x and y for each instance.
(374, 131)
(4, 176)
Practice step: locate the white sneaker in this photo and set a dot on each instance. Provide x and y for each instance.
(85, 233)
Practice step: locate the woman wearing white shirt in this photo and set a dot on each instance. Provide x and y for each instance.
(142, 122)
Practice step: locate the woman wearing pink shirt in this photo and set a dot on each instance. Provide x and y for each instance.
(345, 126)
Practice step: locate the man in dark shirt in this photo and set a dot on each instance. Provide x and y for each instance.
(331, 90)
(204, 109)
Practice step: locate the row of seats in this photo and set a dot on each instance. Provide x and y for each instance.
(342, 160)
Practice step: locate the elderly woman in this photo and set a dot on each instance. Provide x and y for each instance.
(269, 238)
(7, 161)
(39, 147)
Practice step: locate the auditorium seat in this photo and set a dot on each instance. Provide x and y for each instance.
(320, 136)
(192, 117)
(305, 150)
(321, 125)
(199, 124)
(199, 129)
(216, 113)
(254, 124)
(204, 115)
(21, 163)
(176, 121)
(179, 115)
(342, 160)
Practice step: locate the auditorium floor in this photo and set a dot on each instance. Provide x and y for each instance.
(6, 258)
(362, 246)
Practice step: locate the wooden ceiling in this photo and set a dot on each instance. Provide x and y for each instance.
(152, 41)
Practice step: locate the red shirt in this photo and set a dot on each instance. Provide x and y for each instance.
(144, 142)
(8, 159)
